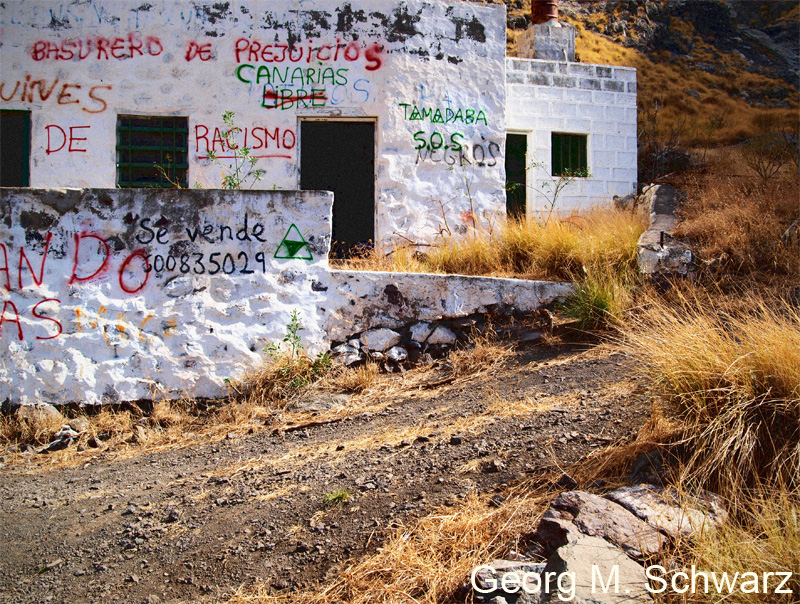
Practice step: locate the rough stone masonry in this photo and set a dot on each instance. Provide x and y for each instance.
(127, 294)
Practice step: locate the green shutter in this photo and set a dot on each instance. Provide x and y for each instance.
(146, 143)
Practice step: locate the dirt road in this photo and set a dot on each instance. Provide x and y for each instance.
(194, 524)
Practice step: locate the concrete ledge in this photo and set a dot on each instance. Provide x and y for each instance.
(658, 252)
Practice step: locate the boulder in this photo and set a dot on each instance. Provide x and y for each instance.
(574, 514)
(442, 335)
(673, 513)
(380, 339)
(79, 424)
(41, 412)
(420, 331)
(595, 572)
(397, 354)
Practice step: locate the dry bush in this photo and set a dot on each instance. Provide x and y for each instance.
(484, 353)
(356, 380)
(735, 377)
(36, 428)
(763, 538)
(738, 224)
(553, 250)
(276, 382)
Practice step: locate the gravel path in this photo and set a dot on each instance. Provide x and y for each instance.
(194, 524)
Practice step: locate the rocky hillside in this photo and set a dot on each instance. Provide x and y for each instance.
(708, 66)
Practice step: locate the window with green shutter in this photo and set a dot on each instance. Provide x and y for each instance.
(569, 154)
(152, 151)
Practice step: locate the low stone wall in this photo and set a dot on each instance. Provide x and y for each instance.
(118, 294)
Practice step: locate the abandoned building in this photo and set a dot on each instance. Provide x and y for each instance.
(116, 283)
(405, 109)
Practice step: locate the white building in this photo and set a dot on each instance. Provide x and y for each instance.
(408, 110)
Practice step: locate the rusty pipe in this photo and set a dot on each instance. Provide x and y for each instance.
(543, 11)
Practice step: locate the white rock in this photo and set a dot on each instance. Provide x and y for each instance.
(442, 335)
(397, 354)
(420, 331)
(380, 339)
(666, 509)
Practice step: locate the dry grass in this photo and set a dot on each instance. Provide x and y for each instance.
(735, 376)
(720, 116)
(426, 563)
(738, 223)
(568, 249)
(763, 538)
(38, 428)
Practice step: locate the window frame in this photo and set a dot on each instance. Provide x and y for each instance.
(575, 153)
(175, 172)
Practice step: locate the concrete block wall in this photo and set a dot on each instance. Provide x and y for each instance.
(576, 98)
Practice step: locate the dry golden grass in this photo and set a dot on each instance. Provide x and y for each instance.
(39, 428)
(764, 538)
(736, 379)
(720, 115)
(568, 249)
(426, 563)
(738, 222)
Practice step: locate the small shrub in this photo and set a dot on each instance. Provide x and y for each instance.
(235, 175)
(600, 299)
(289, 371)
(337, 497)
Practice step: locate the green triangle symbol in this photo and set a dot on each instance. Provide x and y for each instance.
(291, 245)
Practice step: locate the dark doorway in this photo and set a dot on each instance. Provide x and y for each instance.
(340, 157)
(516, 170)
(15, 148)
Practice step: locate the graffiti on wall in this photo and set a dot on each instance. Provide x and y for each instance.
(263, 141)
(97, 48)
(307, 75)
(90, 98)
(436, 145)
(160, 253)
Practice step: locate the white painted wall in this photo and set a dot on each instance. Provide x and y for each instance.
(126, 294)
(433, 55)
(577, 98)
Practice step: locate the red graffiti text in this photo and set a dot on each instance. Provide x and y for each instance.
(96, 48)
(257, 138)
(198, 51)
(35, 91)
(253, 51)
(57, 139)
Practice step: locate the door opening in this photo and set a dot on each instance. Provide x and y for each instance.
(340, 157)
(516, 172)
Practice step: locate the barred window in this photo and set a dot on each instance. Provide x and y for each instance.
(569, 154)
(152, 151)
